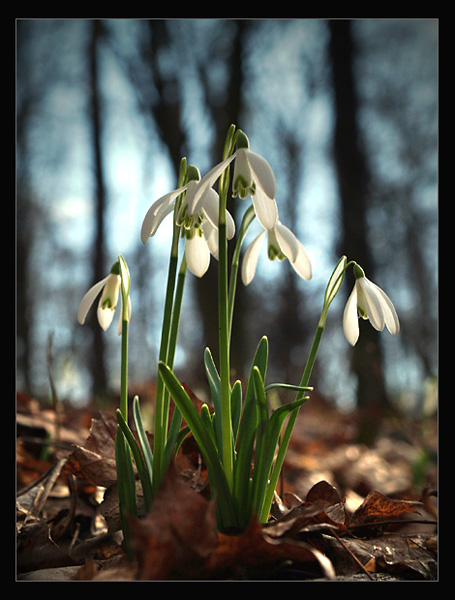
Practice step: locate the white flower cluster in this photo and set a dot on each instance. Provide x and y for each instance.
(198, 219)
(253, 177)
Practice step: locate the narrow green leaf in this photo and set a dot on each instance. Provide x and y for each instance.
(288, 386)
(207, 421)
(214, 382)
(260, 473)
(260, 361)
(274, 426)
(218, 481)
(293, 412)
(213, 377)
(126, 486)
(172, 442)
(183, 433)
(185, 406)
(247, 435)
(144, 476)
(242, 466)
(143, 440)
(236, 403)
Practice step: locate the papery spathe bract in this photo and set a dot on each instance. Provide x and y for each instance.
(368, 301)
(282, 243)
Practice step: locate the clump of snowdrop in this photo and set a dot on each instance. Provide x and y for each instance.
(243, 443)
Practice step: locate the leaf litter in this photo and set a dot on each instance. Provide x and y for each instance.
(328, 522)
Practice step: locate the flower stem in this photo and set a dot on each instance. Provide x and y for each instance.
(124, 371)
(246, 222)
(264, 512)
(161, 399)
(333, 286)
(224, 322)
(226, 422)
(162, 396)
(124, 465)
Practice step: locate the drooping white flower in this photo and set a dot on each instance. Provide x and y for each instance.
(252, 176)
(282, 243)
(199, 229)
(110, 287)
(368, 301)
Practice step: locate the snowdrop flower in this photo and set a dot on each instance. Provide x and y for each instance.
(282, 243)
(165, 205)
(368, 301)
(110, 287)
(253, 177)
(199, 229)
(201, 233)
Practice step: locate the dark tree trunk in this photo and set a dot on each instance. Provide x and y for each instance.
(353, 183)
(97, 362)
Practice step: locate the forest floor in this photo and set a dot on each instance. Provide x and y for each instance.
(344, 511)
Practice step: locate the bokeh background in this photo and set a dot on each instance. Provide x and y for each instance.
(345, 111)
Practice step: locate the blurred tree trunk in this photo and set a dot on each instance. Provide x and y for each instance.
(97, 361)
(26, 104)
(167, 111)
(353, 183)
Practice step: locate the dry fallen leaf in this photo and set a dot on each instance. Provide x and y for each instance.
(95, 461)
(378, 508)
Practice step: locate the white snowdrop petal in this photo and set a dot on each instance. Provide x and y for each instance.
(194, 196)
(263, 173)
(266, 209)
(88, 300)
(372, 303)
(350, 318)
(287, 241)
(157, 212)
(390, 315)
(211, 237)
(302, 264)
(105, 316)
(250, 259)
(197, 255)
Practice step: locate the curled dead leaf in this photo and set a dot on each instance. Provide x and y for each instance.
(95, 460)
(378, 508)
